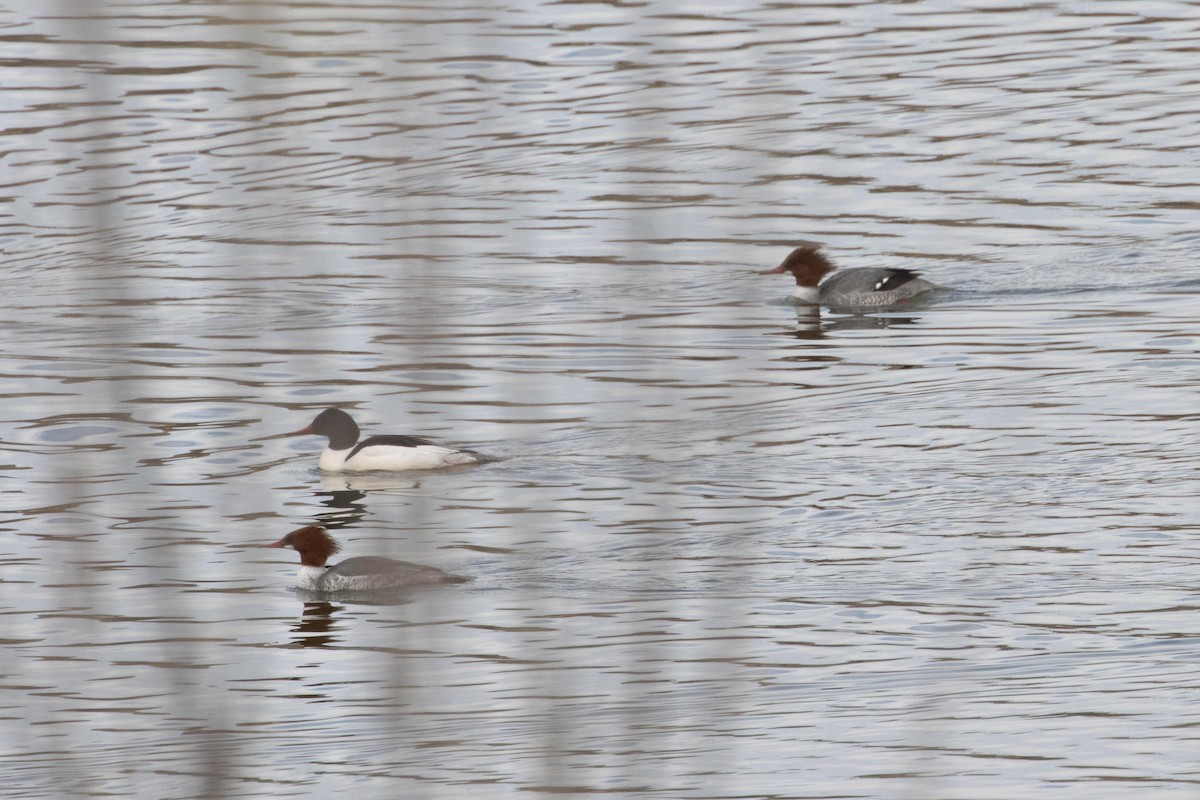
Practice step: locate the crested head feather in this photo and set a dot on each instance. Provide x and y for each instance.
(807, 264)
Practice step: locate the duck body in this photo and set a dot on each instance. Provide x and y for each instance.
(870, 286)
(860, 287)
(359, 574)
(393, 454)
(368, 573)
(346, 453)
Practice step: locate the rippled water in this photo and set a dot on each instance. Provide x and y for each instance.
(727, 548)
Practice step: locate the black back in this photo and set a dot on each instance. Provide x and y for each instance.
(392, 441)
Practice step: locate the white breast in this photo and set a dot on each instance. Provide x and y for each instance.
(309, 578)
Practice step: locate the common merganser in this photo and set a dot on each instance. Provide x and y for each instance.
(364, 573)
(345, 453)
(863, 286)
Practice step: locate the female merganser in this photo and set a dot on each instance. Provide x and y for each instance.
(345, 453)
(364, 573)
(864, 286)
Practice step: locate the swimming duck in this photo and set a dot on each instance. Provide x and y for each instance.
(363, 573)
(863, 286)
(345, 453)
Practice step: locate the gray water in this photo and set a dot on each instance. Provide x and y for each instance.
(726, 547)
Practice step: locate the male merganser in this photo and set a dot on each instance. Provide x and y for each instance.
(345, 453)
(863, 286)
(364, 573)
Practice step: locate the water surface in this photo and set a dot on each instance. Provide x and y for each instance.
(727, 547)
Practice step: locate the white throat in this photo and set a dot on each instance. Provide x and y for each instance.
(808, 294)
(309, 577)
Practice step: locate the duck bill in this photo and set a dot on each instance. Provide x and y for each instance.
(277, 545)
(302, 432)
(777, 271)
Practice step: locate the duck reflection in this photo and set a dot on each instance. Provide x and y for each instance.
(393, 596)
(317, 625)
(366, 482)
(345, 496)
(346, 508)
(811, 325)
(862, 322)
